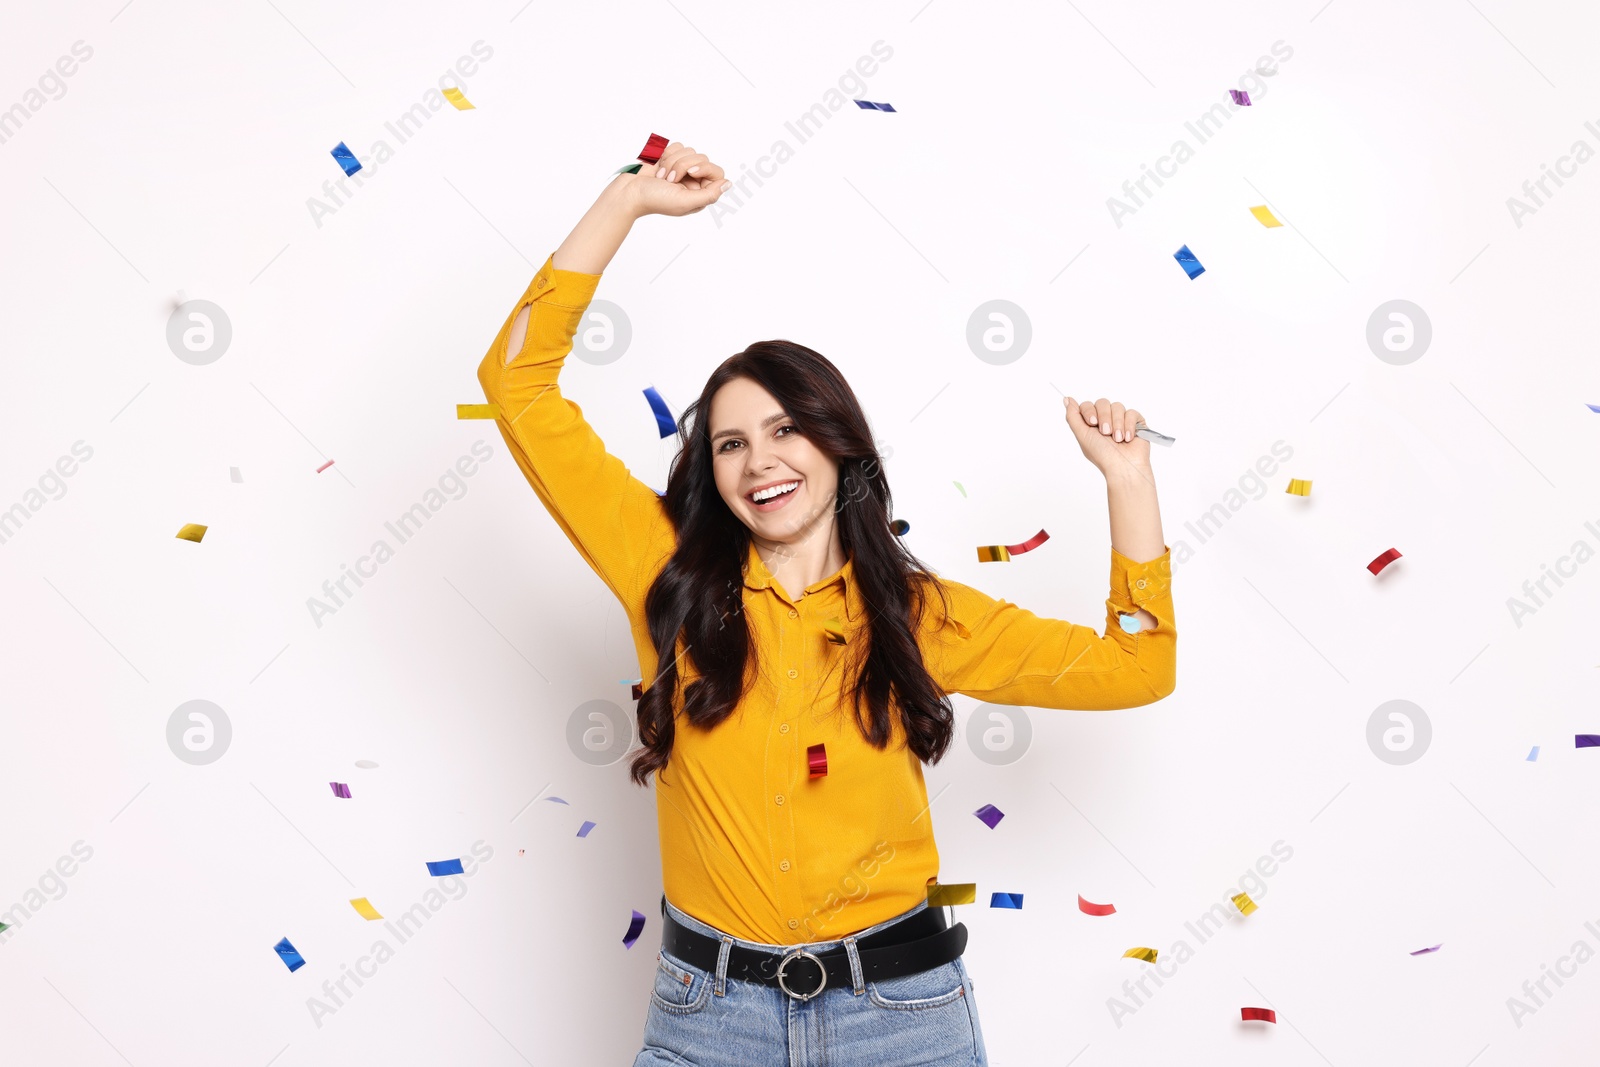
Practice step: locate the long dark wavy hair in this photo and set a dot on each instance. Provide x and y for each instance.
(699, 592)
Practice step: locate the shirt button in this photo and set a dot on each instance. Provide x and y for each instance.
(1140, 583)
(780, 798)
(793, 923)
(784, 866)
(793, 673)
(783, 728)
(539, 284)
(793, 613)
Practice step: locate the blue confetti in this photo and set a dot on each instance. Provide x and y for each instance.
(583, 831)
(1006, 900)
(868, 105)
(1191, 266)
(292, 959)
(1130, 623)
(346, 159)
(635, 927)
(1533, 757)
(664, 421)
(440, 868)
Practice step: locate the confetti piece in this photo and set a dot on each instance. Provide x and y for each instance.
(558, 800)
(1146, 954)
(1299, 487)
(1003, 553)
(835, 631)
(990, 815)
(1240, 97)
(631, 168)
(1243, 902)
(340, 790)
(635, 925)
(292, 959)
(1265, 216)
(233, 473)
(1592, 407)
(1430, 948)
(1533, 757)
(940, 896)
(1586, 740)
(365, 909)
(900, 527)
(653, 149)
(638, 694)
(1095, 909)
(868, 105)
(664, 421)
(817, 760)
(1388, 557)
(440, 868)
(4, 927)
(192, 532)
(1006, 900)
(958, 486)
(346, 159)
(583, 831)
(365, 764)
(1153, 436)
(477, 411)
(1258, 1015)
(461, 102)
(325, 466)
(1186, 259)
(1130, 623)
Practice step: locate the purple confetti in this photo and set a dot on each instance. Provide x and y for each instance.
(635, 926)
(1240, 98)
(1586, 740)
(340, 790)
(1423, 951)
(990, 815)
(583, 831)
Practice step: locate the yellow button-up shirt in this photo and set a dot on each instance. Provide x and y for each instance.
(750, 843)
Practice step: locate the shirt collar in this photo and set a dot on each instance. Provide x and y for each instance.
(756, 576)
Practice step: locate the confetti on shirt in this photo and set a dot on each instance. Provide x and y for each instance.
(940, 896)
(292, 959)
(1155, 437)
(1388, 557)
(1265, 216)
(440, 868)
(1586, 740)
(453, 95)
(1130, 623)
(1089, 908)
(1003, 553)
(1240, 97)
(365, 764)
(1243, 902)
(1430, 948)
(635, 927)
(324, 467)
(583, 831)
(365, 909)
(1533, 757)
(817, 760)
(1299, 487)
(192, 532)
(868, 105)
(990, 815)
(900, 527)
(346, 159)
(653, 149)
(233, 473)
(1146, 954)
(1006, 900)
(664, 421)
(834, 629)
(477, 411)
(340, 790)
(1186, 259)
(1259, 1015)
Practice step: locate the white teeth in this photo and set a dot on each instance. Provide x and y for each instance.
(776, 490)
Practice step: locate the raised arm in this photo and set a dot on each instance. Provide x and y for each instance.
(612, 518)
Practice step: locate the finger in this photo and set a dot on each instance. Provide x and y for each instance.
(699, 199)
(1102, 412)
(661, 171)
(673, 162)
(1116, 423)
(1132, 420)
(705, 171)
(1087, 413)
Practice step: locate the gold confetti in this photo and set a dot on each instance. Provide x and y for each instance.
(462, 103)
(961, 893)
(834, 630)
(1146, 954)
(994, 554)
(1243, 902)
(365, 909)
(477, 411)
(1265, 217)
(192, 532)
(1299, 486)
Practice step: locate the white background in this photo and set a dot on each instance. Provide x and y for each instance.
(181, 157)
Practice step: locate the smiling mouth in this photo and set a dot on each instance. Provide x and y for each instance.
(779, 496)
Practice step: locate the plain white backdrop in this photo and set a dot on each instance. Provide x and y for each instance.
(181, 156)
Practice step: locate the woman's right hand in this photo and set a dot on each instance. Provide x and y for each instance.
(682, 182)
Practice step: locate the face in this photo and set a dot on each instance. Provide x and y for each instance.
(755, 445)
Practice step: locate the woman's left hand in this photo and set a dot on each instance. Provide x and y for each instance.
(1105, 433)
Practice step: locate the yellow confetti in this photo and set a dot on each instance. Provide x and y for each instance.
(477, 411)
(1299, 486)
(1265, 217)
(1146, 954)
(192, 532)
(365, 909)
(462, 103)
(1243, 902)
(994, 554)
(835, 630)
(961, 893)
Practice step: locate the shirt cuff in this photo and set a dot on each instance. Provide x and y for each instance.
(562, 288)
(1134, 583)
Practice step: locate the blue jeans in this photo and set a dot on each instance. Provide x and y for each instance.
(701, 1018)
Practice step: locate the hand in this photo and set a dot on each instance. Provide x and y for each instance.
(682, 182)
(1105, 433)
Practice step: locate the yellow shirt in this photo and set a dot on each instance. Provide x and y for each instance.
(750, 843)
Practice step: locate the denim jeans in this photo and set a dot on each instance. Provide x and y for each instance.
(700, 1018)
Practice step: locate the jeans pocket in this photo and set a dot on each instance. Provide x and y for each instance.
(680, 988)
(932, 988)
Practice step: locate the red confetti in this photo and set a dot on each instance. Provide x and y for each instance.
(653, 149)
(638, 694)
(817, 758)
(325, 466)
(1095, 909)
(1384, 560)
(1260, 1015)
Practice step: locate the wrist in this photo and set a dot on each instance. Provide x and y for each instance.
(621, 198)
(1129, 476)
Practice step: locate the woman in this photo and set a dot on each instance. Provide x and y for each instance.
(787, 730)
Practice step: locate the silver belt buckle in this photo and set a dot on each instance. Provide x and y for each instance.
(821, 969)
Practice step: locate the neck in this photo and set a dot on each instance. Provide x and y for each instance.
(803, 562)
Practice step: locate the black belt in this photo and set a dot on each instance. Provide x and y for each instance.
(919, 943)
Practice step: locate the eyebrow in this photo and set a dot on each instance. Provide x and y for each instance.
(768, 421)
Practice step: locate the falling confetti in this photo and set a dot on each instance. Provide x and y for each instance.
(1533, 757)
(365, 909)
(958, 486)
(292, 959)
(1130, 623)
(817, 760)
(477, 411)
(1585, 740)
(1240, 97)
(192, 532)
(631, 168)
(1146, 954)
(233, 473)
(1264, 216)
(453, 95)
(1186, 259)
(1006, 900)
(1003, 553)
(990, 815)
(583, 831)
(1259, 1015)
(1095, 909)
(1299, 487)
(835, 631)
(664, 421)
(900, 527)
(868, 105)
(653, 149)
(1388, 557)
(365, 764)
(440, 868)
(324, 467)
(340, 790)
(1243, 902)
(635, 927)
(940, 896)
(1425, 951)
(346, 159)
(558, 800)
